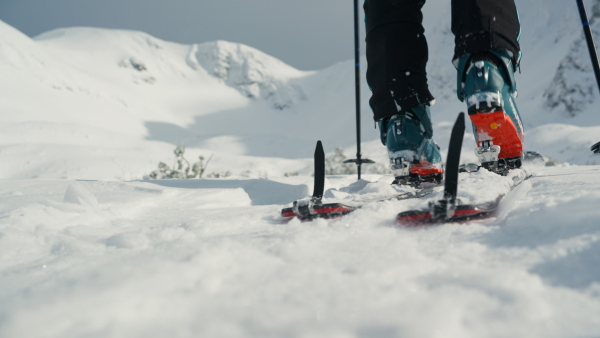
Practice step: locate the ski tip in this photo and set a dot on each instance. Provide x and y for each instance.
(287, 212)
(308, 212)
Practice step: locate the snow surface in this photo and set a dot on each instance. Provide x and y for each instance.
(212, 258)
(89, 249)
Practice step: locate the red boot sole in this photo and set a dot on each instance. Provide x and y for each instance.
(500, 129)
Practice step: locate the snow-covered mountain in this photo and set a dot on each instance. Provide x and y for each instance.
(127, 98)
(573, 90)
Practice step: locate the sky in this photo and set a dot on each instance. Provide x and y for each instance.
(307, 34)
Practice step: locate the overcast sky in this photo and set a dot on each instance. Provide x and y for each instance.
(307, 34)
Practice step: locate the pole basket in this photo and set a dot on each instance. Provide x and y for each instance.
(596, 148)
(363, 161)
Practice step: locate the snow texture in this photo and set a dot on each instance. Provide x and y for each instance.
(212, 258)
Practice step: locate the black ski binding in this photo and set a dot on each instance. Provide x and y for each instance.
(443, 209)
(403, 176)
(503, 165)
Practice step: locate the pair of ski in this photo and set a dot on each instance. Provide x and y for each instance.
(449, 209)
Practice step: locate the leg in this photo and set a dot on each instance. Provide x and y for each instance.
(487, 53)
(482, 25)
(397, 56)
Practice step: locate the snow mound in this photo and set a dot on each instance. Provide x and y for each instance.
(77, 194)
(253, 73)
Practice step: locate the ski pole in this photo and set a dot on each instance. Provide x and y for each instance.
(590, 40)
(359, 161)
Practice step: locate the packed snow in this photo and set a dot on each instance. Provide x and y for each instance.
(212, 258)
(90, 247)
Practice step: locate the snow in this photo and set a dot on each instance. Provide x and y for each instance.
(212, 258)
(88, 248)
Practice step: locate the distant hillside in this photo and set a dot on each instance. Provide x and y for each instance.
(75, 99)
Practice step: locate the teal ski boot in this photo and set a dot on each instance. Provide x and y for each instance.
(486, 82)
(414, 156)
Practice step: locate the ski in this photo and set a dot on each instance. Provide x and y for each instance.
(307, 210)
(460, 212)
(314, 207)
(450, 209)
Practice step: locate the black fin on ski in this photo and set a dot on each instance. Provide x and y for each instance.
(444, 209)
(319, 186)
(453, 159)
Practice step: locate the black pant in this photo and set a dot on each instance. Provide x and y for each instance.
(397, 50)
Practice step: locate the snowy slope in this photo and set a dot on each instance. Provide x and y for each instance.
(211, 258)
(146, 95)
(70, 117)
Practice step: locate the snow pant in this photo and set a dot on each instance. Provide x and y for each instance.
(397, 51)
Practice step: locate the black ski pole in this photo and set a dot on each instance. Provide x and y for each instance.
(589, 38)
(359, 161)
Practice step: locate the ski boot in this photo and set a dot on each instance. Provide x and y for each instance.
(414, 157)
(486, 82)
